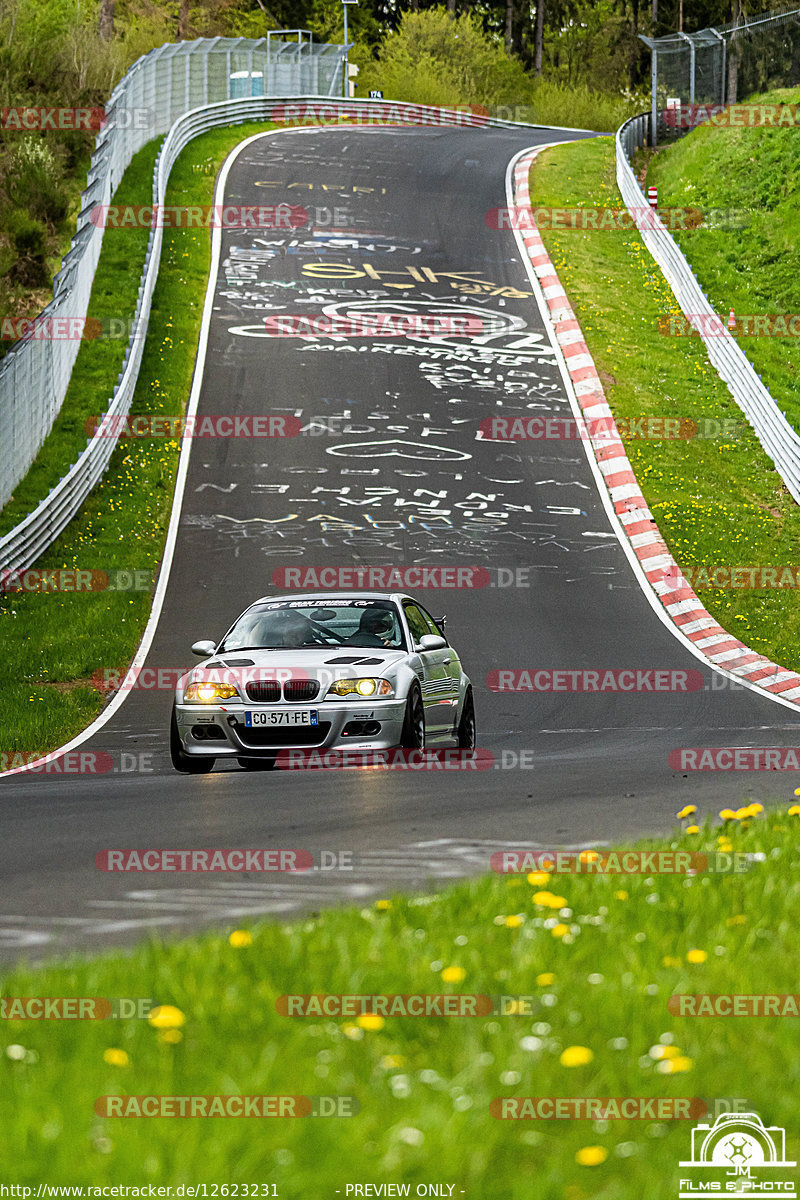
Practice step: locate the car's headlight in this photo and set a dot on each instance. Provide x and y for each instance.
(209, 693)
(361, 687)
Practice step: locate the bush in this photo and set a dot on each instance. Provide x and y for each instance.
(33, 180)
(29, 239)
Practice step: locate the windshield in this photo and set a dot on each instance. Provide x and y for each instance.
(306, 625)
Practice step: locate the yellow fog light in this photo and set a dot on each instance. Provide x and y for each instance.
(207, 693)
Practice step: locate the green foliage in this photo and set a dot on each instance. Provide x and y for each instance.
(32, 180)
(754, 174)
(28, 238)
(434, 59)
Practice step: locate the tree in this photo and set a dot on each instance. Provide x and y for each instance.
(105, 21)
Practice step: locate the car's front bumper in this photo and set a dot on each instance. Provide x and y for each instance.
(219, 730)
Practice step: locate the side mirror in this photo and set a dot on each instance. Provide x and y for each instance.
(430, 641)
(204, 649)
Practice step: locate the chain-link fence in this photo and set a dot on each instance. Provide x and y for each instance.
(718, 66)
(159, 88)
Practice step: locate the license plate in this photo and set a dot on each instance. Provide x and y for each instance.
(281, 716)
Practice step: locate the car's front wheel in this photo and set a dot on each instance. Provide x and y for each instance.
(182, 761)
(413, 734)
(467, 731)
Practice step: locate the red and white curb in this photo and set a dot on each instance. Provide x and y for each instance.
(679, 601)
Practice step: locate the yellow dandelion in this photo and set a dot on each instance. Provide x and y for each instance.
(739, 919)
(545, 979)
(696, 956)
(170, 1037)
(675, 1066)
(115, 1058)
(576, 1056)
(383, 904)
(669, 960)
(620, 895)
(755, 808)
(166, 1016)
(591, 1156)
(548, 900)
(663, 1052)
(514, 922)
(687, 811)
(560, 930)
(587, 856)
(371, 1021)
(727, 814)
(692, 829)
(391, 1061)
(794, 811)
(538, 878)
(454, 974)
(240, 938)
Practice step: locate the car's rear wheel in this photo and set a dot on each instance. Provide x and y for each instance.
(257, 764)
(413, 734)
(467, 730)
(182, 761)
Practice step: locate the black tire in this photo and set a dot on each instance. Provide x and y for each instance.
(467, 731)
(257, 764)
(182, 761)
(413, 733)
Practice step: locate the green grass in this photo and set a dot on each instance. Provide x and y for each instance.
(716, 502)
(424, 1085)
(99, 360)
(54, 642)
(752, 269)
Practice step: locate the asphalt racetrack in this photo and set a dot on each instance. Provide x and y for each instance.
(389, 470)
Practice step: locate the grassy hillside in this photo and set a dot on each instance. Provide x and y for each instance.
(752, 268)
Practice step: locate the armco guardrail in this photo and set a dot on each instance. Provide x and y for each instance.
(771, 427)
(163, 85)
(20, 548)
